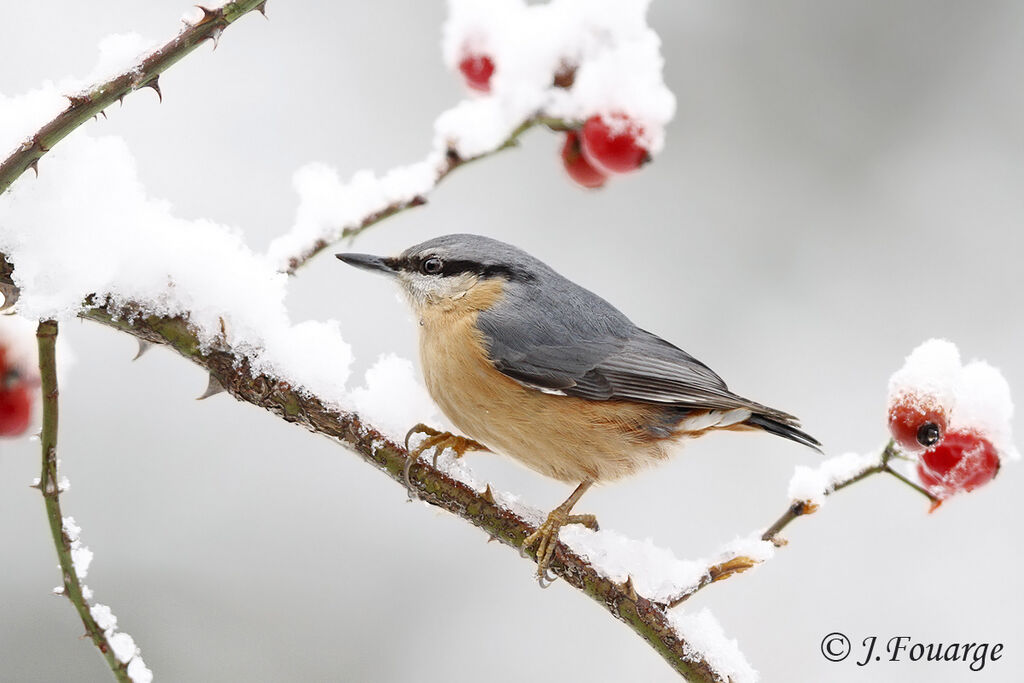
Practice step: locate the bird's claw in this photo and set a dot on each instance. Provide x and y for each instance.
(546, 540)
(439, 441)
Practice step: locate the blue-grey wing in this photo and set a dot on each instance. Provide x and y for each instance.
(573, 342)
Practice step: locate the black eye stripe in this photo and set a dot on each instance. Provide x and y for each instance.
(452, 267)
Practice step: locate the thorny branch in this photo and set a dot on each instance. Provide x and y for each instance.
(46, 335)
(451, 162)
(233, 372)
(83, 106)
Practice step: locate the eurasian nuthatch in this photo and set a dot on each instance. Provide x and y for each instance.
(529, 364)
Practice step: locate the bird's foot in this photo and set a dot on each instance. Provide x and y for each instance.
(439, 441)
(546, 539)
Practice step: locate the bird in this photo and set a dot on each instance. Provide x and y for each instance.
(526, 363)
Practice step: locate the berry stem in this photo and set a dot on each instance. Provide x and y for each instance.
(920, 489)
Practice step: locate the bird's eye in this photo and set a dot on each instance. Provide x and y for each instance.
(929, 434)
(432, 266)
(10, 378)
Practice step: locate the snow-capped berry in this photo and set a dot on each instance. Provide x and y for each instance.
(477, 70)
(962, 462)
(917, 421)
(613, 143)
(577, 166)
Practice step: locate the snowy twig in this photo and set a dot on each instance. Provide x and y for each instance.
(737, 562)
(717, 572)
(450, 162)
(235, 374)
(48, 484)
(145, 74)
(800, 508)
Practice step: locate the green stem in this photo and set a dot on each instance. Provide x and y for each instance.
(920, 489)
(46, 336)
(145, 74)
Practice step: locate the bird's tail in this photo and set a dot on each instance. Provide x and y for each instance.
(787, 429)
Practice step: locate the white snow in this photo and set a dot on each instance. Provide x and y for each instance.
(976, 395)
(22, 116)
(71, 529)
(656, 572)
(138, 672)
(327, 205)
(705, 639)
(393, 395)
(103, 617)
(618, 70)
(812, 484)
(81, 558)
(119, 53)
(122, 645)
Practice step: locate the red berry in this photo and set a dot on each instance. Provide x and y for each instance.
(15, 400)
(612, 143)
(962, 462)
(577, 166)
(477, 69)
(15, 410)
(917, 422)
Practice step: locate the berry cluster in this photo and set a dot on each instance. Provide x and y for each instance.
(15, 399)
(605, 145)
(949, 461)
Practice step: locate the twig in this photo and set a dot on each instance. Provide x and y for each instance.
(740, 563)
(46, 334)
(81, 107)
(451, 162)
(234, 373)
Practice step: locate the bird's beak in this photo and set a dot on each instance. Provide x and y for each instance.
(369, 262)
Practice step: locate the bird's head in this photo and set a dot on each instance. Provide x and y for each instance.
(452, 271)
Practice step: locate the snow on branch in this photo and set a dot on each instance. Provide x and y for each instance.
(126, 65)
(495, 513)
(117, 647)
(586, 60)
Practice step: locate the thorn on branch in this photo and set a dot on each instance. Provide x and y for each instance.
(34, 165)
(11, 295)
(629, 589)
(143, 347)
(208, 15)
(153, 83)
(213, 388)
(262, 9)
(215, 37)
(488, 495)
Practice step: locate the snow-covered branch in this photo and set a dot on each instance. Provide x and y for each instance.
(400, 189)
(494, 513)
(116, 79)
(117, 648)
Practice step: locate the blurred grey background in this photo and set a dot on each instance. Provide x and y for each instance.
(842, 181)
